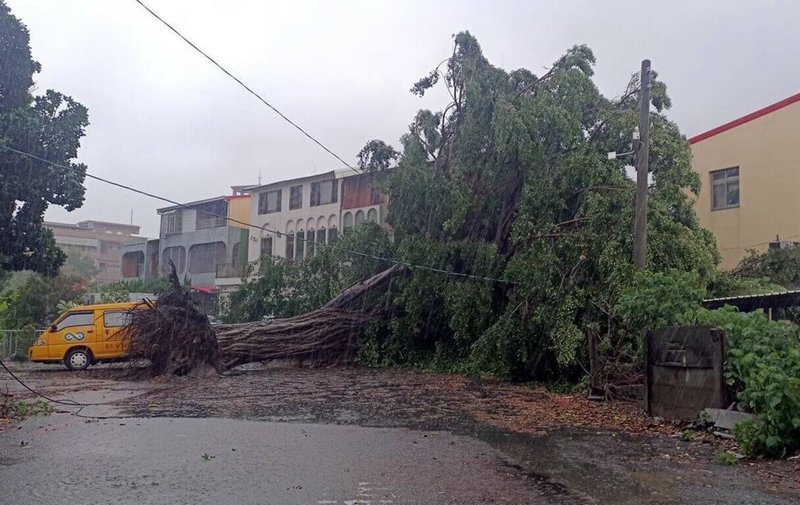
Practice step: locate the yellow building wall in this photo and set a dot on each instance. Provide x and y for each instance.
(239, 210)
(767, 152)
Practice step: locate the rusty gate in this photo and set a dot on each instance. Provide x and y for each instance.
(684, 371)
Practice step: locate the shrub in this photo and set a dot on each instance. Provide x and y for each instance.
(763, 358)
(763, 367)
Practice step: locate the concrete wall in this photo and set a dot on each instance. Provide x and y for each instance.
(767, 151)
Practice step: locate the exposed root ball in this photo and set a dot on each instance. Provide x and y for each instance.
(174, 335)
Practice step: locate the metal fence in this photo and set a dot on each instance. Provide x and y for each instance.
(14, 344)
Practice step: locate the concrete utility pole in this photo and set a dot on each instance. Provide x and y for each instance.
(642, 169)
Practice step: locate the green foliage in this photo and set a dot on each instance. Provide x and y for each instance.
(511, 180)
(377, 156)
(22, 409)
(658, 300)
(49, 126)
(35, 303)
(79, 264)
(778, 266)
(763, 366)
(282, 288)
(725, 458)
(728, 284)
(120, 291)
(763, 359)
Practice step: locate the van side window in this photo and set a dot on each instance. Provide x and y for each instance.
(76, 319)
(116, 319)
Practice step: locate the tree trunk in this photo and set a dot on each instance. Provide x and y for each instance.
(175, 337)
(328, 334)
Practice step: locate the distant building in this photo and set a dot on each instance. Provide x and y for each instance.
(750, 174)
(99, 241)
(212, 241)
(292, 217)
(206, 241)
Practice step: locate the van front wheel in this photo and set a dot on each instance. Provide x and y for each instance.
(78, 359)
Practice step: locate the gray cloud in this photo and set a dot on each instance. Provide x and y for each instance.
(166, 120)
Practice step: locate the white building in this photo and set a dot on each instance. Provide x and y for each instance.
(296, 214)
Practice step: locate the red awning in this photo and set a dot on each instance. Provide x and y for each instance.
(204, 289)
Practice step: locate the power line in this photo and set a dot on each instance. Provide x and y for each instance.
(245, 86)
(68, 403)
(264, 228)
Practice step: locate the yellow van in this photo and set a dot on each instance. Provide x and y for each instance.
(84, 335)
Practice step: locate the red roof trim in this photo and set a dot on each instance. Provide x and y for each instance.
(236, 197)
(746, 119)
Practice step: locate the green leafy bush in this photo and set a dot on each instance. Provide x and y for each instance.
(285, 288)
(763, 367)
(763, 359)
(661, 299)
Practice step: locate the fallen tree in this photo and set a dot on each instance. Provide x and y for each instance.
(328, 334)
(175, 336)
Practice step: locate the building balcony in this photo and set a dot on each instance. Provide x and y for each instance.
(230, 270)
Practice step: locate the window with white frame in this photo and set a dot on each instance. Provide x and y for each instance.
(269, 201)
(725, 188)
(211, 215)
(172, 222)
(323, 192)
(296, 197)
(266, 246)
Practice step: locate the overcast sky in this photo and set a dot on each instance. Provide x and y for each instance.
(165, 120)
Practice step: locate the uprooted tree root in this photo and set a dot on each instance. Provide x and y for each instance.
(175, 337)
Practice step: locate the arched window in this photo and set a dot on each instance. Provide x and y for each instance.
(311, 247)
(347, 221)
(372, 215)
(178, 255)
(133, 264)
(289, 246)
(359, 217)
(299, 246)
(204, 258)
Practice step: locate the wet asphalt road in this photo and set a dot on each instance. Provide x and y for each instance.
(61, 459)
(350, 436)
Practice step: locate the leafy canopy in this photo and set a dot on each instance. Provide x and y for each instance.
(49, 126)
(511, 180)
